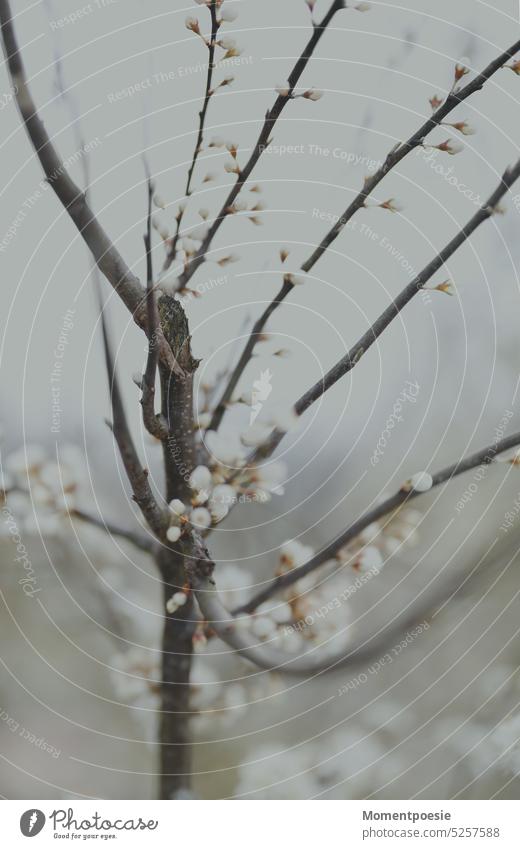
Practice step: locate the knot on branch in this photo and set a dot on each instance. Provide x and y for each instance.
(199, 565)
(174, 325)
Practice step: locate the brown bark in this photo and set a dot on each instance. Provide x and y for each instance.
(179, 453)
(177, 643)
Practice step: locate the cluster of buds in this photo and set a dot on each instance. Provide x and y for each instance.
(40, 491)
(369, 551)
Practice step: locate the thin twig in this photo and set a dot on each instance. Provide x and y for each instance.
(396, 155)
(137, 475)
(105, 254)
(155, 424)
(140, 541)
(263, 139)
(415, 141)
(482, 458)
(352, 358)
(200, 135)
(246, 355)
(73, 199)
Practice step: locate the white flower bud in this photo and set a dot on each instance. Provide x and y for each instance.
(228, 15)
(192, 24)
(177, 507)
(173, 534)
(200, 478)
(231, 168)
(313, 94)
(199, 232)
(283, 90)
(450, 146)
(255, 435)
(296, 279)
(204, 420)
(177, 600)
(227, 43)
(421, 482)
(218, 512)
(200, 517)
(262, 627)
(285, 420)
(223, 494)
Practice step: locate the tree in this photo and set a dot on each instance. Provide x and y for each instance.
(205, 476)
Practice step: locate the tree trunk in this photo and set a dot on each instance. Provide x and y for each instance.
(177, 643)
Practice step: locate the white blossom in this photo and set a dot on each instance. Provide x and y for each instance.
(263, 627)
(200, 479)
(223, 449)
(313, 94)
(228, 14)
(370, 559)
(255, 435)
(283, 90)
(200, 517)
(294, 553)
(223, 494)
(177, 507)
(177, 600)
(173, 533)
(421, 482)
(279, 612)
(270, 477)
(450, 146)
(218, 512)
(285, 419)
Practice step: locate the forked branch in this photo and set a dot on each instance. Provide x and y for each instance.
(263, 139)
(396, 155)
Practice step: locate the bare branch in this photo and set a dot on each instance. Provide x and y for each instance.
(137, 476)
(259, 325)
(263, 139)
(106, 255)
(347, 363)
(232, 631)
(200, 135)
(394, 158)
(396, 155)
(140, 541)
(482, 458)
